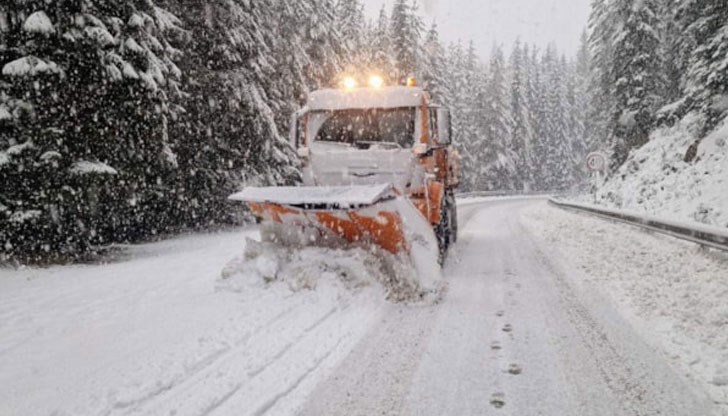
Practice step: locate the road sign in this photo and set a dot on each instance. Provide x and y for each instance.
(596, 162)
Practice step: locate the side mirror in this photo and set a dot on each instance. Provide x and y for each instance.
(444, 126)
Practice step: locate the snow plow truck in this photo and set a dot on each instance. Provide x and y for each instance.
(379, 172)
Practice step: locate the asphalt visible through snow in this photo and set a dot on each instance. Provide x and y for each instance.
(512, 336)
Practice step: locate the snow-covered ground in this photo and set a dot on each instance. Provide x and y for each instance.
(658, 181)
(160, 333)
(672, 291)
(545, 312)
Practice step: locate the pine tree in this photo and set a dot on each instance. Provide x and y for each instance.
(322, 41)
(602, 25)
(349, 20)
(462, 105)
(553, 140)
(538, 118)
(674, 52)
(434, 67)
(639, 77)
(585, 96)
(575, 146)
(84, 113)
(528, 92)
(705, 24)
(579, 98)
(405, 32)
(380, 56)
(520, 130)
(497, 154)
(229, 133)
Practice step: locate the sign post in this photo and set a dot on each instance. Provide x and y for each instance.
(597, 164)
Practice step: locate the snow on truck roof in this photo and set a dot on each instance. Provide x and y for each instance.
(365, 98)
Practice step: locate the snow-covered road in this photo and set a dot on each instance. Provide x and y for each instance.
(513, 336)
(524, 329)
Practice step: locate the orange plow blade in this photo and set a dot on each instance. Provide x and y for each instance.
(340, 217)
(353, 215)
(357, 226)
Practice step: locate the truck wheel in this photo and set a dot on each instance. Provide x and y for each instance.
(453, 218)
(444, 230)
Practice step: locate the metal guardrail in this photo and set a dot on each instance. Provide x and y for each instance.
(696, 233)
(487, 194)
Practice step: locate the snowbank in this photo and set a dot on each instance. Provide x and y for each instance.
(657, 180)
(673, 292)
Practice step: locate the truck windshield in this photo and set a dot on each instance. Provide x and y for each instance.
(364, 127)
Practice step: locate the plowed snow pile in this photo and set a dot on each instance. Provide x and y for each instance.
(306, 268)
(658, 181)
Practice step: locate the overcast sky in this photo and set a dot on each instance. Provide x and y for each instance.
(487, 21)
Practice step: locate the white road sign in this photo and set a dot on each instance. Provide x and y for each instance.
(596, 162)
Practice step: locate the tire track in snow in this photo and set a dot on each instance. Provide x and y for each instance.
(135, 405)
(229, 376)
(284, 350)
(287, 380)
(275, 399)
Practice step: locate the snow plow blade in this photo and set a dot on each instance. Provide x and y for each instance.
(356, 215)
(365, 216)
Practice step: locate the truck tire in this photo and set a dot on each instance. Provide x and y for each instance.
(446, 230)
(453, 218)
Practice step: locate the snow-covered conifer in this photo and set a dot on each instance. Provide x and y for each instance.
(89, 85)
(434, 67)
(405, 32)
(638, 74)
(705, 24)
